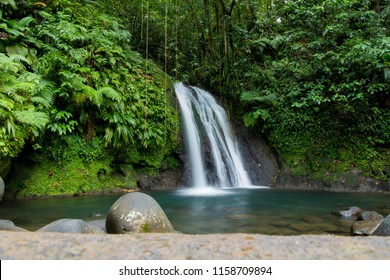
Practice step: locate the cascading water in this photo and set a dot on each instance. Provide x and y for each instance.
(206, 125)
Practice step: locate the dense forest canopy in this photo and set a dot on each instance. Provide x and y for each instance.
(312, 77)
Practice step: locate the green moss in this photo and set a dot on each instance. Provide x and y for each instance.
(5, 164)
(146, 228)
(74, 177)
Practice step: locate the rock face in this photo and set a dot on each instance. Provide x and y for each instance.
(9, 226)
(2, 187)
(384, 228)
(260, 162)
(137, 212)
(350, 212)
(165, 180)
(70, 226)
(367, 223)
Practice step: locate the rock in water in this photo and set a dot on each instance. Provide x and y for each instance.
(9, 226)
(384, 228)
(71, 226)
(137, 212)
(2, 187)
(350, 212)
(367, 224)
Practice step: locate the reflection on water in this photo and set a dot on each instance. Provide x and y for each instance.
(264, 211)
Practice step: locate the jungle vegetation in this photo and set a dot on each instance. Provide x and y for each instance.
(91, 81)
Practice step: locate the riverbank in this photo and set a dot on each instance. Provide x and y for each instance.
(60, 246)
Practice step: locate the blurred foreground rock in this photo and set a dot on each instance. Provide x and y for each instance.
(155, 246)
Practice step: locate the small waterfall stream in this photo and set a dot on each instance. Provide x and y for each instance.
(207, 132)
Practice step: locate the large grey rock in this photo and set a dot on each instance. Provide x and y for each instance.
(350, 212)
(137, 212)
(384, 228)
(367, 224)
(2, 187)
(100, 223)
(9, 226)
(70, 226)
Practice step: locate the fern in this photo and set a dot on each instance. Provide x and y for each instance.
(6, 103)
(111, 93)
(32, 118)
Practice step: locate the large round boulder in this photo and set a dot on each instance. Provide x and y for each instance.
(137, 212)
(70, 226)
(9, 226)
(2, 187)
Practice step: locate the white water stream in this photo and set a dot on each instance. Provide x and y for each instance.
(206, 125)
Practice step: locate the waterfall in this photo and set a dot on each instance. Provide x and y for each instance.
(208, 134)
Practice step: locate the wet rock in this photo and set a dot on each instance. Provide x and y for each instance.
(95, 214)
(370, 215)
(2, 187)
(100, 223)
(260, 162)
(70, 226)
(384, 228)
(350, 212)
(137, 212)
(164, 180)
(367, 223)
(9, 226)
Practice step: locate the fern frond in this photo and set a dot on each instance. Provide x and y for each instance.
(111, 93)
(33, 118)
(94, 95)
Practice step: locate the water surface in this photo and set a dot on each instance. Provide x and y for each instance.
(265, 211)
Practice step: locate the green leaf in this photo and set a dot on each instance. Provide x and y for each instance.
(25, 21)
(8, 2)
(17, 49)
(33, 118)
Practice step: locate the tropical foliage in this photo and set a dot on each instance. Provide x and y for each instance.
(312, 77)
(68, 72)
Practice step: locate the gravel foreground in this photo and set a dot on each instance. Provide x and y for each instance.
(153, 246)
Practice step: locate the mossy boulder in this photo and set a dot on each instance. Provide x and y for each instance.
(137, 212)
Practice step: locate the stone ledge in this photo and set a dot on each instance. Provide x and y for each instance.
(53, 246)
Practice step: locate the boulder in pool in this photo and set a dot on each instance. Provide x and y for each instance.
(352, 211)
(367, 223)
(137, 212)
(384, 228)
(10, 226)
(70, 226)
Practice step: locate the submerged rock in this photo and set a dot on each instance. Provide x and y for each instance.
(384, 228)
(9, 226)
(368, 222)
(137, 212)
(70, 226)
(350, 212)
